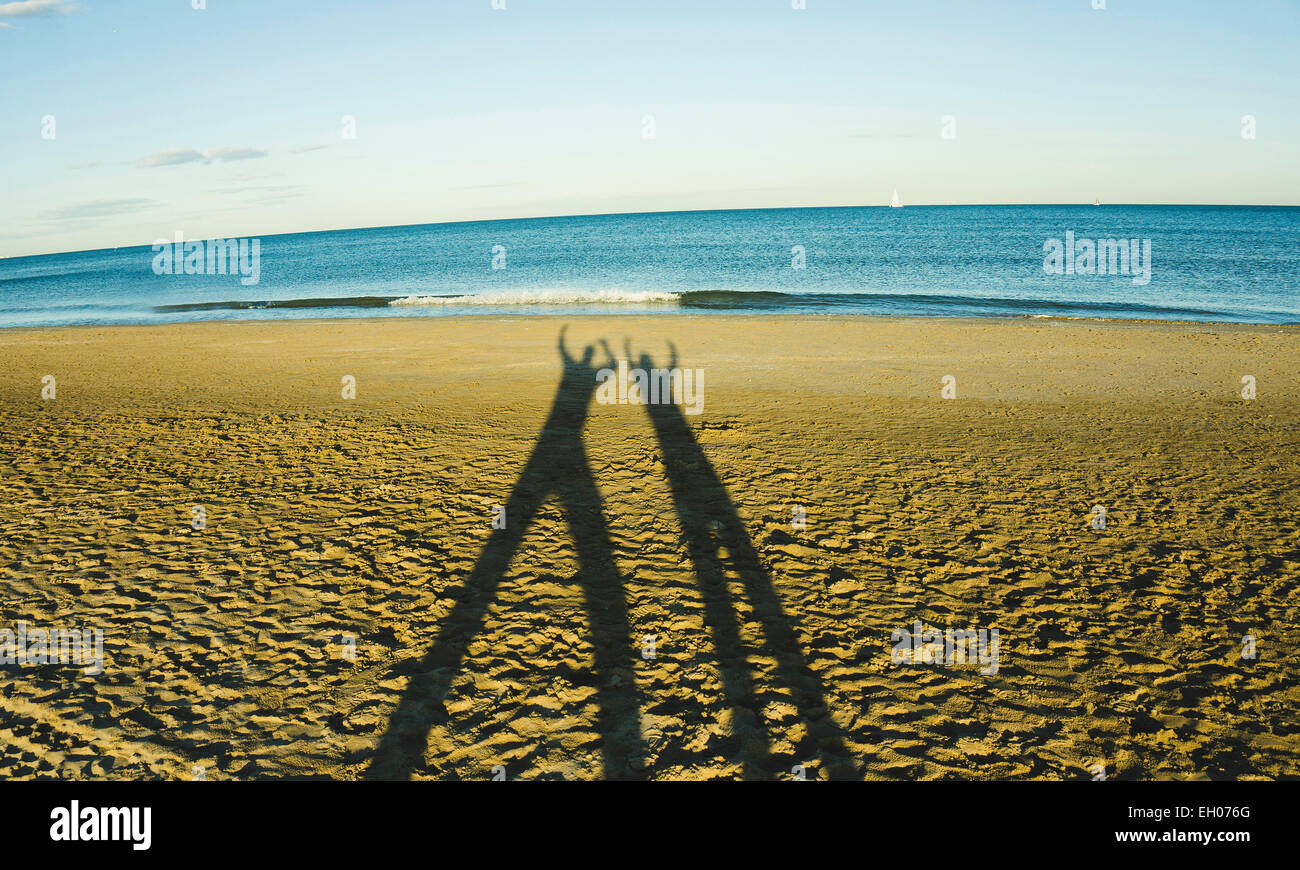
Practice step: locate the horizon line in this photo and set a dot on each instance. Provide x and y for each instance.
(663, 212)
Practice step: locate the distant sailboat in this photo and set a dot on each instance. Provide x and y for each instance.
(894, 203)
(1096, 202)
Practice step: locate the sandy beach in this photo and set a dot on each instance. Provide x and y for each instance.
(672, 596)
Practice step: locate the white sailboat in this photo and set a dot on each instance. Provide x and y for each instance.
(894, 203)
(1097, 201)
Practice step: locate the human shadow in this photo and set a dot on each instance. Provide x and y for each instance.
(557, 466)
(717, 540)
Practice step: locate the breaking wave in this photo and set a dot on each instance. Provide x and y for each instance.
(545, 297)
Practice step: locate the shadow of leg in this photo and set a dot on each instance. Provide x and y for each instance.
(710, 523)
(606, 603)
(558, 464)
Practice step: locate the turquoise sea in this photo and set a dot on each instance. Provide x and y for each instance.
(1205, 263)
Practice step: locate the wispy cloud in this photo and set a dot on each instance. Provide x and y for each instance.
(170, 158)
(177, 156)
(34, 8)
(227, 154)
(303, 149)
(89, 165)
(100, 208)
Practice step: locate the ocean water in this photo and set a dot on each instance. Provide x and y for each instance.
(1207, 263)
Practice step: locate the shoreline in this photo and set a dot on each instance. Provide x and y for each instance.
(741, 316)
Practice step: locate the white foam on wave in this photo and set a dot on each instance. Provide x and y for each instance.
(546, 297)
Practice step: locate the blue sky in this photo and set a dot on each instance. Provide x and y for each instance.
(227, 121)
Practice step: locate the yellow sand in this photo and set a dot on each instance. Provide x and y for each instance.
(328, 517)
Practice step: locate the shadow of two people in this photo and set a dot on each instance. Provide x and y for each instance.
(558, 466)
